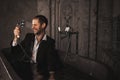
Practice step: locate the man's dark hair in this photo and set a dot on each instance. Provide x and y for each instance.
(42, 19)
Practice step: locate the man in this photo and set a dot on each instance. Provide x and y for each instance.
(37, 48)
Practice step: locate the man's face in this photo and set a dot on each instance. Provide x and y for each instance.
(37, 27)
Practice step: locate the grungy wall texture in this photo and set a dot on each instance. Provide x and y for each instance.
(80, 15)
(96, 21)
(11, 12)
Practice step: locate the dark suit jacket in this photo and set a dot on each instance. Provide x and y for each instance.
(45, 55)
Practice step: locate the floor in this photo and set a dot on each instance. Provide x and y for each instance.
(70, 73)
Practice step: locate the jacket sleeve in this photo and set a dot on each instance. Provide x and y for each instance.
(17, 51)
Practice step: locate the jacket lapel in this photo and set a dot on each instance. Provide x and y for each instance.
(41, 50)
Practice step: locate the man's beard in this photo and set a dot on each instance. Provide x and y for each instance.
(39, 32)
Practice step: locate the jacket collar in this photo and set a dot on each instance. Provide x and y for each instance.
(44, 37)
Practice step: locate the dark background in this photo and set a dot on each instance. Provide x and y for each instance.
(96, 21)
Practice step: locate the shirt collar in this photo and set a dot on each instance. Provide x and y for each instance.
(44, 37)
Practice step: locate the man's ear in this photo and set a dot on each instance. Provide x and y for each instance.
(43, 25)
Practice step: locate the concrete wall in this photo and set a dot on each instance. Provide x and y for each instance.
(92, 19)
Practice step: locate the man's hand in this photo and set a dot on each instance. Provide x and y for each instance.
(16, 33)
(52, 75)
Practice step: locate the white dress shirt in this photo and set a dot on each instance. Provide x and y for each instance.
(35, 48)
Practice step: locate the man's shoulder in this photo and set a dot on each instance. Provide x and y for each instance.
(50, 39)
(30, 35)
